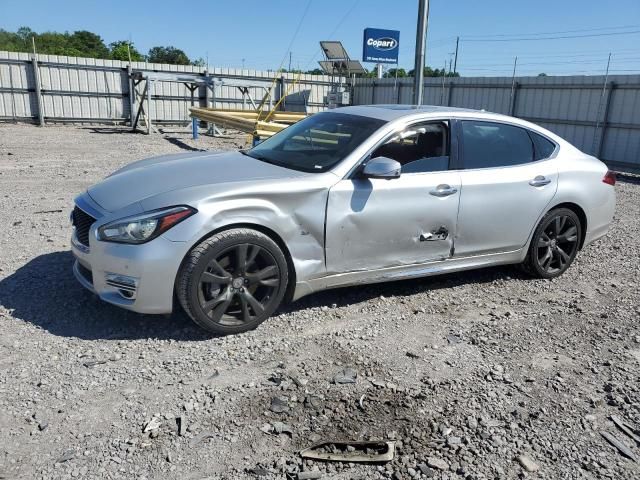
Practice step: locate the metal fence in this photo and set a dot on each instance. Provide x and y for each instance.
(600, 119)
(74, 89)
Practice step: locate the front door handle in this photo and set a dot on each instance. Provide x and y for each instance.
(443, 190)
(539, 181)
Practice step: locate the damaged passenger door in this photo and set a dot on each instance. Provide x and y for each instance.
(375, 222)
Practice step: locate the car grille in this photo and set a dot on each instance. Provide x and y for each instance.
(82, 222)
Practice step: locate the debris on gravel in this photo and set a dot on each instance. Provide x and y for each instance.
(468, 374)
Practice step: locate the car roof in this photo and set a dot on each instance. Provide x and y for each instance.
(391, 112)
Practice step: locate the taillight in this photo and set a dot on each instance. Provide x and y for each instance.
(610, 178)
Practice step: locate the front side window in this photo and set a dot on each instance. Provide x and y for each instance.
(317, 143)
(421, 148)
(488, 144)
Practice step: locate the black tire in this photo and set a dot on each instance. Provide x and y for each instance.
(554, 245)
(232, 281)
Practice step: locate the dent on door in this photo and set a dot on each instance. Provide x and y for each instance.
(374, 224)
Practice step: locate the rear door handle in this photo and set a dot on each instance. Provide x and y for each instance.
(443, 190)
(539, 181)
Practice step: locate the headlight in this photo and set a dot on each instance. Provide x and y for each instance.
(144, 227)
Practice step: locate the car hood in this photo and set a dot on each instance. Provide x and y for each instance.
(152, 176)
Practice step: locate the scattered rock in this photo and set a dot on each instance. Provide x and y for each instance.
(152, 424)
(279, 405)
(439, 463)
(310, 475)
(528, 464)
(347, 375)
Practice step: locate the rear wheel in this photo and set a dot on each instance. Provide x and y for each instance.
(554, 244)
(232, 281)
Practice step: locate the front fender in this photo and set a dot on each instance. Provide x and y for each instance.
(299, 224)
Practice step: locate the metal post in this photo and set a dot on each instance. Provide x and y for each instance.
(149, 86)
(206, 89)
(194, 128)
(283, 92)
(455, 61)
(604, 89)
(444, 71)
(36, 76)
(605, 119)
(378, 70)
(132, 95)
(514, 98)
(513, 87)
(13, 96)
(421, 39)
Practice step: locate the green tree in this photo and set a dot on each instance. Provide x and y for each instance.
(171, 55)
(54, 43)
(391, 73)
(121, 50)
(542, 74)
(88, 44)
(430, 72)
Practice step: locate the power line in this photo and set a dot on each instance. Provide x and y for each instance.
(288, 50)
(342, 20)
(593, 29)
(532, 39)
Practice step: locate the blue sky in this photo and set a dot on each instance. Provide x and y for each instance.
(260, 31)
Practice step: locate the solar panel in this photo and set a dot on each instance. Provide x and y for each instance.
(342, 67)
(333, 50)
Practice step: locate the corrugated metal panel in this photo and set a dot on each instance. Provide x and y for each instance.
(93, 89)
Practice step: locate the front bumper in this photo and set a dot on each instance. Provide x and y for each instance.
(136, 277)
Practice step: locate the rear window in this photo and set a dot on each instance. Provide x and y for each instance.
(488, 144)
(543, 148)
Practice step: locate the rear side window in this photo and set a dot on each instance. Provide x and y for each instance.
(543, 147)
(488, 144)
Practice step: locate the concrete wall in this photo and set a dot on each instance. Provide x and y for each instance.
(574, 107)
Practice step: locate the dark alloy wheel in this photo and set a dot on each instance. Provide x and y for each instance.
(233, 281)
(554, 244)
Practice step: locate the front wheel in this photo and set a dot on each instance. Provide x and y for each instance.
(232, 281)
(554, 244)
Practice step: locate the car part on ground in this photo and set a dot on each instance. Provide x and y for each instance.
(361, 451)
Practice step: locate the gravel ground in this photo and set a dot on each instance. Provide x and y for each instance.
(479, 375)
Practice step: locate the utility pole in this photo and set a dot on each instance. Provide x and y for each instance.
(455, 61)
(421, 39)
(289, 70)
(604, 91)
(513, 87)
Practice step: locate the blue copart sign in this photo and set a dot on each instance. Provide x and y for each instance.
(380, 46)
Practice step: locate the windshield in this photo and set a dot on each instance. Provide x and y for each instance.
(316, 143)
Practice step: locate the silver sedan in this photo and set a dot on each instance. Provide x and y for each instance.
(348, 196)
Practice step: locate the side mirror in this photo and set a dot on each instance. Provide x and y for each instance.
(382, 167)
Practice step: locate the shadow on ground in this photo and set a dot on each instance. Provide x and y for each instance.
(45, 293)
(120, 129)
(184, 146)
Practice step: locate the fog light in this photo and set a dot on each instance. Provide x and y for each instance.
(127, 286)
